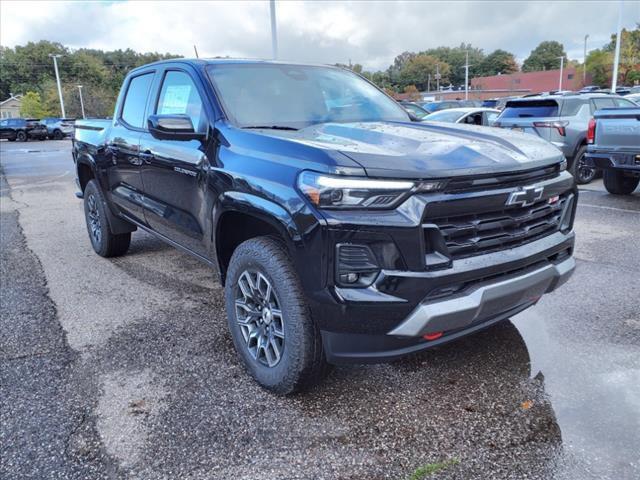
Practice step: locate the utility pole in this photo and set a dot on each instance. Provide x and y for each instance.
(438, 77)
(429, 83)
(55, 66)
(616, 58)
(274, 33)
(561, 69)
(81, 101)
(584, 65)
(466, 78)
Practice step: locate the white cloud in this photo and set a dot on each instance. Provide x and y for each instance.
(370, 33)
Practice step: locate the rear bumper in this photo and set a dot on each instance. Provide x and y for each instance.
(627, 161)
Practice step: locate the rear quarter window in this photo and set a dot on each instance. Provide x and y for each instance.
(571, 107)
(530, 109)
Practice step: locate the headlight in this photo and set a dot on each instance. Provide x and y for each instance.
(563, 165)
(326, 191)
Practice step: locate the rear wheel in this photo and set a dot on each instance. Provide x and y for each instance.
(581, 172)
(21, 136)
(617, 183)
(270, 323)
(58, 135)
(105, 243)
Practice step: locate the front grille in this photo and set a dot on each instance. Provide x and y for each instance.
(503, 180)
(466, 234)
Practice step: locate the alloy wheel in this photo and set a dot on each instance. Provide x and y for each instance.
(93, 218)
(585, 174)
(260, 318)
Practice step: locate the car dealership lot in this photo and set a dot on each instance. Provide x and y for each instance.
(123, 368)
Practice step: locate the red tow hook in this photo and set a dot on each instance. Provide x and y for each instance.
(432, 336)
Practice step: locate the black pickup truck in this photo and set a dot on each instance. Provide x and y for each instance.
(342, 230)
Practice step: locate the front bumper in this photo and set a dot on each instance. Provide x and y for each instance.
(475, 309)
(485, 301)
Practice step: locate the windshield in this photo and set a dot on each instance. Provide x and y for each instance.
(451, 116)
(267, 95)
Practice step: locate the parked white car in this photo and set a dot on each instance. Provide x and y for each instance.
(471, 116)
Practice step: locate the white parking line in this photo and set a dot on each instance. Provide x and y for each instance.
(609, 208)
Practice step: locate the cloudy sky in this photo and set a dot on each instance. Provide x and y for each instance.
(370, 33)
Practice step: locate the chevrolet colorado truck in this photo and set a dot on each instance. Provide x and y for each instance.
(614, 146)
(342, 230)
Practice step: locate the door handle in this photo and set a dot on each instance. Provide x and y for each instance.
(147, 157)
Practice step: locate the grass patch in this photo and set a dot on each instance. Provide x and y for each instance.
(431, 468)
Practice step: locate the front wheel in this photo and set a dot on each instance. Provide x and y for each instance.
(21, 136)
(581, 172)
(270, 323)
(105, 243)
(617, 183)
(58, 135)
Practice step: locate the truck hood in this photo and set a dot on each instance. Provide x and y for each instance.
(428, 150)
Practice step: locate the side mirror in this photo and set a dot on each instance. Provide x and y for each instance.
(173, 127)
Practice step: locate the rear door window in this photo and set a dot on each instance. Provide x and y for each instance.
(135, 100)
(530, 109)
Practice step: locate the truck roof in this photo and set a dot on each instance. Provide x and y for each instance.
(221, 61)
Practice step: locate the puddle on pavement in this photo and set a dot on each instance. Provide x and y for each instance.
(595, 393)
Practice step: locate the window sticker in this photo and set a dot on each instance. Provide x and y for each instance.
(176, 99)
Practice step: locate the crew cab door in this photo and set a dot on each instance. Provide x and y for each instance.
(173, 171)
(123, 147)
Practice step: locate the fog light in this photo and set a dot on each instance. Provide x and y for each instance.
(349, 277)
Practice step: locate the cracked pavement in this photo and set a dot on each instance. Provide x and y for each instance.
(123, 368)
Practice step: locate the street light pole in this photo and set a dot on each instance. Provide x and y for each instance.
(55, 66)
(584, 65)
(561, 69)
(274, 32)
(81, 102)
(616, 58)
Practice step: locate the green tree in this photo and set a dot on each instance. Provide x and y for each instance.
(455, 58)
(599, 63)
(31, 106)
(417, 70)
(498, 62)
(545, 56)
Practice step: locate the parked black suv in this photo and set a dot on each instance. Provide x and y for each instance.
(341, 230)
(22, 129)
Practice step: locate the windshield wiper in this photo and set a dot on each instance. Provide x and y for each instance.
(272, 127)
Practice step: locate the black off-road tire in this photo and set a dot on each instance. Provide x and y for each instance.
(580, 172)
(618, 183)
(103, 241)
(302, 362)
(21, 136)
(58, 135)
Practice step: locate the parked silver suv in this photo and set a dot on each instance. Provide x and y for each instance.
(562, 120)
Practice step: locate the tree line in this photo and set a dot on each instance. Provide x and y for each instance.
(28, 69)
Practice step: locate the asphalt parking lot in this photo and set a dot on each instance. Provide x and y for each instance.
(123, 368)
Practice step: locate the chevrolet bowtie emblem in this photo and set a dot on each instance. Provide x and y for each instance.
(526, 196)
